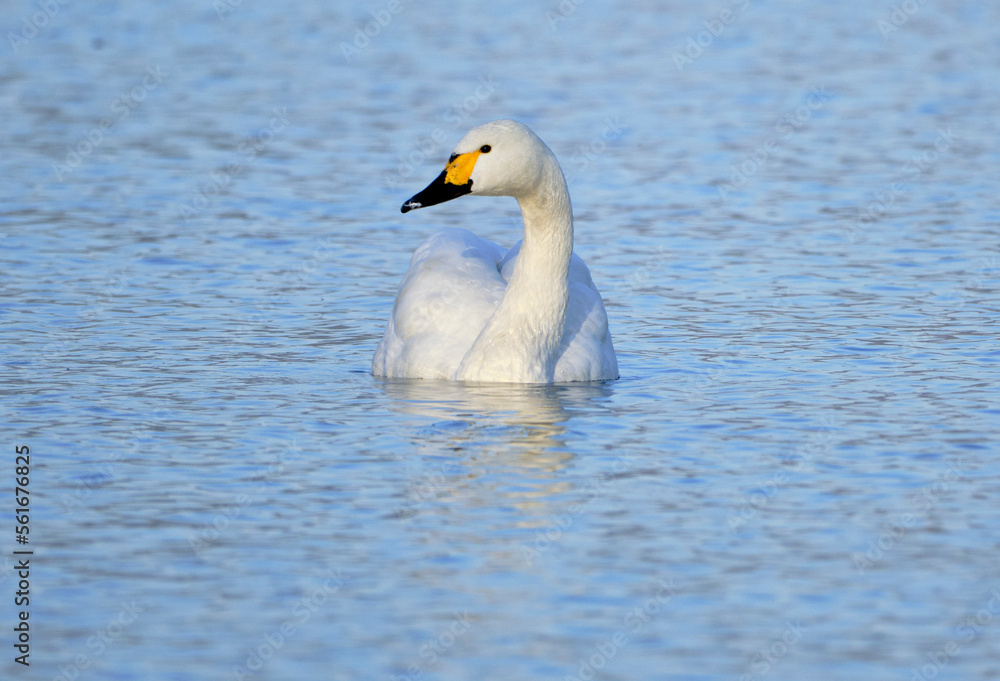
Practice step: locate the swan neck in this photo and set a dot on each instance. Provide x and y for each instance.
(521, 340)
(548, 227)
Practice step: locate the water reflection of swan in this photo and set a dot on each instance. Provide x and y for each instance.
(508, 437)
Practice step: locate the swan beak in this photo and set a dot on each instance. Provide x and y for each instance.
(454, 181)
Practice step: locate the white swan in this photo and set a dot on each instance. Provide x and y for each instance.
(467, 310)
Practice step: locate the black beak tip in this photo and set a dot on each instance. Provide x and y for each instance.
(436, 192)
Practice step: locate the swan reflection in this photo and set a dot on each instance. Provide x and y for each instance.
(496, 443)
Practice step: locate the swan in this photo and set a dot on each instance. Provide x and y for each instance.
(469, 310)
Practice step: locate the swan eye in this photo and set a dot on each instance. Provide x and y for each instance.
(485, 148)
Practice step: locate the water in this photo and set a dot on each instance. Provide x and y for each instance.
(795, 233)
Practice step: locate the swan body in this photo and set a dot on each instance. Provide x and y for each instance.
(469, 310)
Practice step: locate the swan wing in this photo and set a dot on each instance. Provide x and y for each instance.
(451, 289)
(587, 353)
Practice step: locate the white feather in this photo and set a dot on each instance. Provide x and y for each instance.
(469, 310)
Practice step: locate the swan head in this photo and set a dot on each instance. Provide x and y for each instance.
(500, 158)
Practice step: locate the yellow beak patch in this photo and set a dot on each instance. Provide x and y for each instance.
(459, 169)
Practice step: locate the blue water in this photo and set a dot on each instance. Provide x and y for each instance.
(790, 209)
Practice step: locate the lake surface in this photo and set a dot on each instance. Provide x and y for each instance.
(791, 210)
